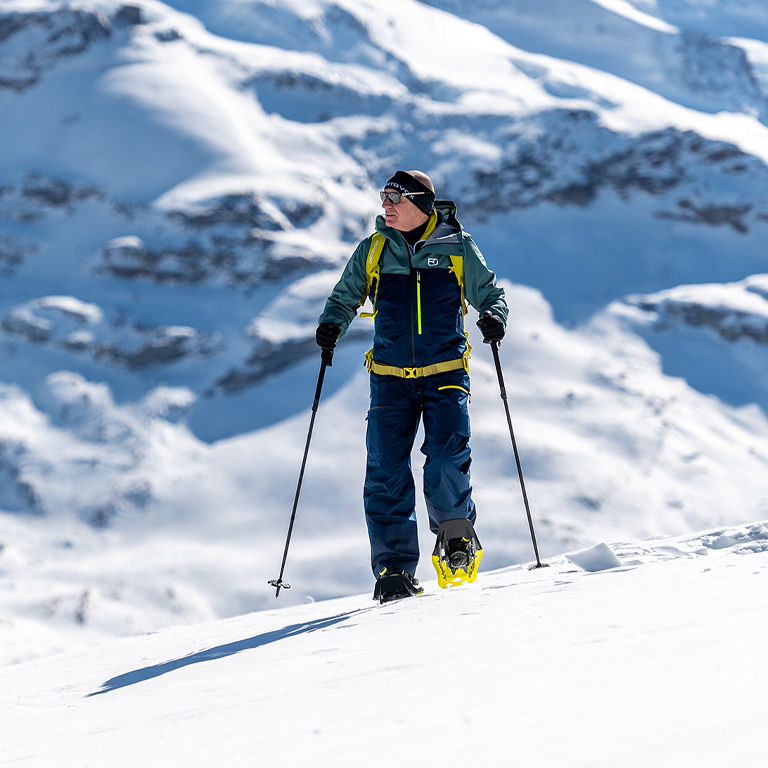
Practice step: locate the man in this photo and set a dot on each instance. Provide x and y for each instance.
(418, 269)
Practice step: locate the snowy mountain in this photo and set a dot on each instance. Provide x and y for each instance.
(654, 661)
(180, 185)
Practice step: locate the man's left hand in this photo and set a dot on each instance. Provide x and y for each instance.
(491, 326)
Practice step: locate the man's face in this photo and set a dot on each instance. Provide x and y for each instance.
(404, 216)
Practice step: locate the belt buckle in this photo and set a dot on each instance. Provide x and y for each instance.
(410, 373)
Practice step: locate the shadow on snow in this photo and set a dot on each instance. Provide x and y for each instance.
(218, 652)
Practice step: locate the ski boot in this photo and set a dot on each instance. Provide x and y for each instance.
(394, 584)
(457, 553)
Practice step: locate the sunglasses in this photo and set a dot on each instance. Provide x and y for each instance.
(394, 197)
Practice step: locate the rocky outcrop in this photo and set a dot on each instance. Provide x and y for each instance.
(65, 323)
(242, 210)
(235, 239)
(717, 70)
(734, 216)
(545, 162)
(189, 264)
(12, 254)
(17, 491)
(268, 359)
(158, 346)
(34, 42)
(736, 311)
(36, 197)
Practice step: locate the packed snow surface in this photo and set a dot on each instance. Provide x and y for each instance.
(654, 662)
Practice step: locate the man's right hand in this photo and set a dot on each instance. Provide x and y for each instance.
(326, 335)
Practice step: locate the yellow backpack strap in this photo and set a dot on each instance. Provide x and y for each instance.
(372, 271)
(457, 268)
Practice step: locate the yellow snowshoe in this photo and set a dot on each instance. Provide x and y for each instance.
(457, 553)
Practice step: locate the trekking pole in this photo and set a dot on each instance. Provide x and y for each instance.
(327, 360)
(495, 350)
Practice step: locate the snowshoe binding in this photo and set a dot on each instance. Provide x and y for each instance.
(457, 553)
(394, 584)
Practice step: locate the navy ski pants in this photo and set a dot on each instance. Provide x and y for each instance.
(397, 407)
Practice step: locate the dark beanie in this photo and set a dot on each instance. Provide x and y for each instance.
(402, 181)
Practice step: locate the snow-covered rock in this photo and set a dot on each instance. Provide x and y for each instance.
(734, 311)
(37, 40)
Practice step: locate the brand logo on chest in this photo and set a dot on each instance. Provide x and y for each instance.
(431, 262)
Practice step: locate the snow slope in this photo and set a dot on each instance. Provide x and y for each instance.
(655, 661)
(694, 63)
(180, 184)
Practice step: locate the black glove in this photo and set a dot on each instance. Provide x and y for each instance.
(326, 335)
(491, 326)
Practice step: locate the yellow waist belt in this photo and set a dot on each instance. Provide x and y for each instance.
(415, 373)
